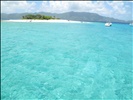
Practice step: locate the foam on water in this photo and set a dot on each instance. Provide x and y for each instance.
(66, 61)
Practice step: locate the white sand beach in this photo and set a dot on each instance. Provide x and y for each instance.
(51, 21)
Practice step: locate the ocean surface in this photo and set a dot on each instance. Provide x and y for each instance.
(66, 61)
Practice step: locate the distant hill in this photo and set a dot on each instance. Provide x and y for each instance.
(76, 16)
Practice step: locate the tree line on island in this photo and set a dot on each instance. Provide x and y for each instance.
(38, 16)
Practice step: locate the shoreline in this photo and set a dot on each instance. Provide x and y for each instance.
(49, 21)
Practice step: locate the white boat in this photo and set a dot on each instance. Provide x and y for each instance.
(131, 24)
(108, 24)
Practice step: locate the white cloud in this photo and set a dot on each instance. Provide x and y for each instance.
(79, 6)
(120, 9)
(54, 6)
(16, 6)
(118, 6)
(100, 7)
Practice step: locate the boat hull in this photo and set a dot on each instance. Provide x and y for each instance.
(108, 24)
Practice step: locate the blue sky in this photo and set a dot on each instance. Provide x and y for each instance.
(116, 9)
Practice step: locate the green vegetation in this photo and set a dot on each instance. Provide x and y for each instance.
(38, 16)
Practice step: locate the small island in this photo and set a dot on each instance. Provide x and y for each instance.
(38, 17)
(41, 18)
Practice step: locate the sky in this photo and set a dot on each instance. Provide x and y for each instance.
(116, 9)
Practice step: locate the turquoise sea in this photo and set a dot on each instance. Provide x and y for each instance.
(66, 61)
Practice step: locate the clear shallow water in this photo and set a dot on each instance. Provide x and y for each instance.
(62, 61)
